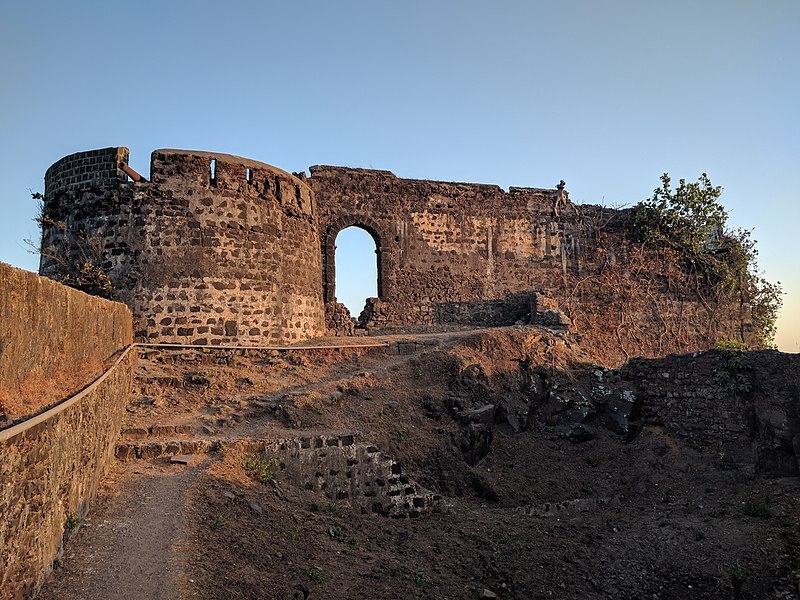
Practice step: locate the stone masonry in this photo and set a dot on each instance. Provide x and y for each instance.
(217, 249)
(340, 466)
(51, 463)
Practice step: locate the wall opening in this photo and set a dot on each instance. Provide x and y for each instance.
(357, 258)
(212, 167)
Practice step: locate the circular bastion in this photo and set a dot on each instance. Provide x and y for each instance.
(214, 249)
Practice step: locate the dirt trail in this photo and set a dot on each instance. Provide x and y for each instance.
(126, 549)
(295, 376)
(129, 546)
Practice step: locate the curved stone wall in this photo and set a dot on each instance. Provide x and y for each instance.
(215, 249)
(84, 170)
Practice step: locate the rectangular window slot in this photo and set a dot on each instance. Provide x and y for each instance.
(250, 176)
(213, 171)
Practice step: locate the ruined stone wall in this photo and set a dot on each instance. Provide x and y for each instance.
(215, 249)
(218, 249)
(339, 465)
(449, 253)
(739, 409)
(51, 463)
(456, 253)
(745, 407)
(344, 469)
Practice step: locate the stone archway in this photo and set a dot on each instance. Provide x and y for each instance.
(329, 253)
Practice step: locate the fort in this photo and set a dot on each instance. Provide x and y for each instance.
(216, 249)
(531, 371)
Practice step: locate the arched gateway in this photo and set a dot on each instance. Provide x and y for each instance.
(329, 252)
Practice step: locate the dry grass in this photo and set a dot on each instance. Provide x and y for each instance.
(40, 390)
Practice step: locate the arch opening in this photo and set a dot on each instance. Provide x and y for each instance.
(357, 269)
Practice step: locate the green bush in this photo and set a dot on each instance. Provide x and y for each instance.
(734, 373)
(217, 521)
(259, 467)
(397, 433)
(731, 346)
(689, 217)
(691, 220)
(72, 523)
(89, 278)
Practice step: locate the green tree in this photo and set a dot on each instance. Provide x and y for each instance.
(689, 217)
(691, 220)
(765, 297)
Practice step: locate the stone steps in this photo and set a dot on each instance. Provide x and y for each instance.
(335, 464)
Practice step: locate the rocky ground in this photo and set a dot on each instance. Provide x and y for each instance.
(530, 502)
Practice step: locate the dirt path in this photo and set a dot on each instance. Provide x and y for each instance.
(129, 546)
(125, 550)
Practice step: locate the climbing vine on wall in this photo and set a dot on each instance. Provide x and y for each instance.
(691, 220)
(79, 263)
(665, 276)
(636, 301)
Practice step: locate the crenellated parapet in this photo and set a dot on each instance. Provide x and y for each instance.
(212, 249)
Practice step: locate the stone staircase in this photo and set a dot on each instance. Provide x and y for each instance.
(336, 464)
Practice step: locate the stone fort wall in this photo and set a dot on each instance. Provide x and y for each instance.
(52, 461)
(448, 253)
(219, 249)
(454, 254)
(213, 249)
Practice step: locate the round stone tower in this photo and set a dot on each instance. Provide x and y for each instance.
(215, 249)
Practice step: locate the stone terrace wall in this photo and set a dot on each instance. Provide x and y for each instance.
(339, 465)
(344, 469)
(214, 249)
(53, 340)
(745, 408)
(50, 464)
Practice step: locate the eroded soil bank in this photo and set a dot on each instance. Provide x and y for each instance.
(553, 478)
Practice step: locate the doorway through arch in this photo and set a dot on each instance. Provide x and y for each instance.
(356, 273)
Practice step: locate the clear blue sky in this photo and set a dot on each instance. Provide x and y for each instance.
(604, 94)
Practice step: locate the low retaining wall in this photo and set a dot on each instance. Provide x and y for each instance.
(338, 465)
(51, 463)
(342, 469)
(744, 408)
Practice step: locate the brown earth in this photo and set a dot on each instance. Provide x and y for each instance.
(124, 550)
(537, 517)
